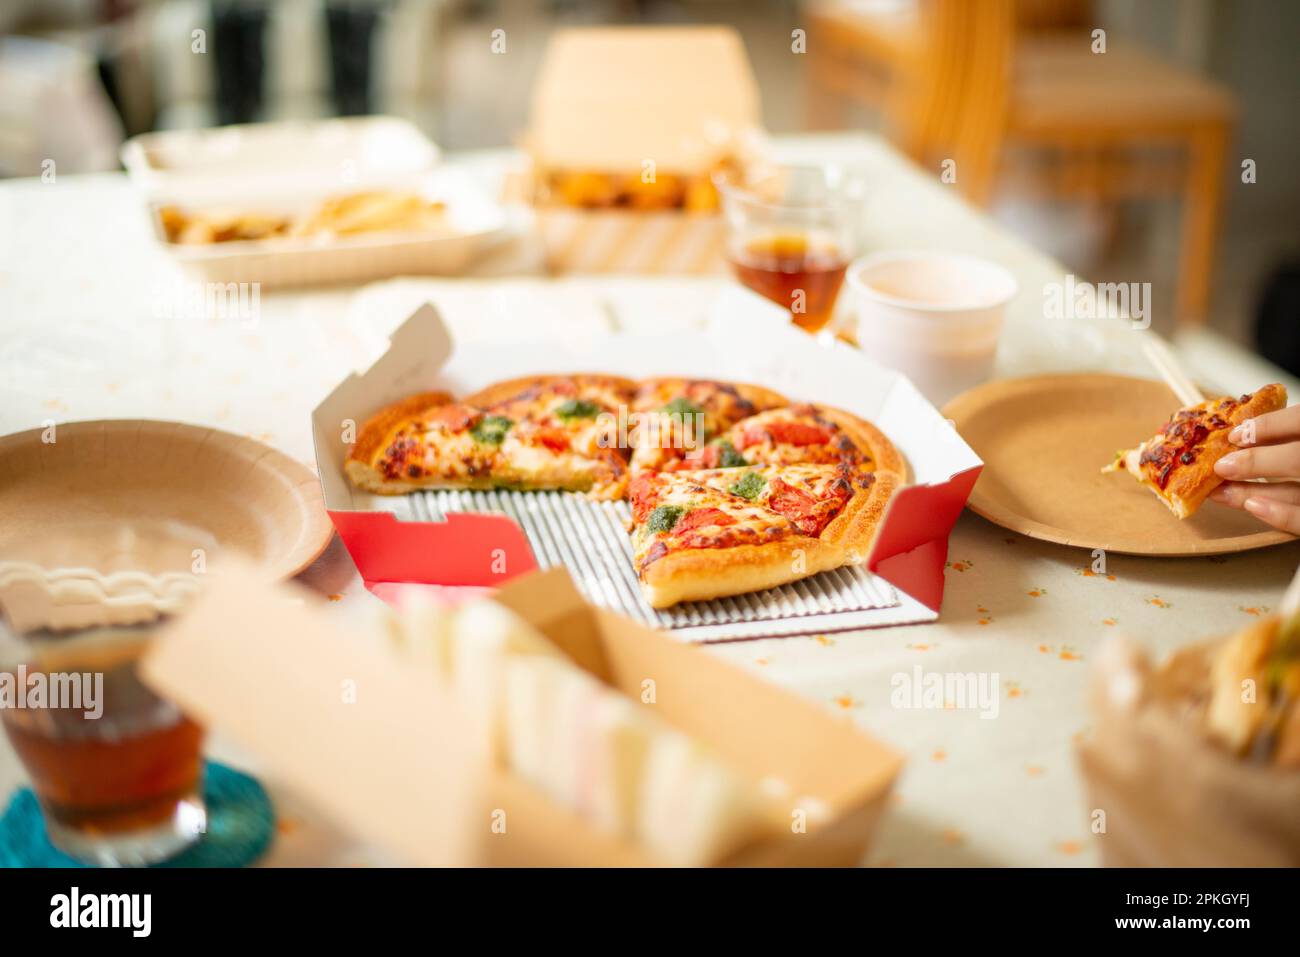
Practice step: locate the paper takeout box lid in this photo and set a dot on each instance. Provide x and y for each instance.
(610, 98)
(391, 763)
(747, 339)
(340, 722)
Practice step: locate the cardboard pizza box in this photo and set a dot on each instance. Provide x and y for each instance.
(390, 761)
(747, 339)
(610, 100)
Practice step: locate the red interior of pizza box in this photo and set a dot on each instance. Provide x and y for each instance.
(747, 338)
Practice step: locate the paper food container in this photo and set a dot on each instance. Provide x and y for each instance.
(1168, 796)
(267, 161)
(474, 222)
(481, 539)
(289, 169)
(393, 765)
(624, 100)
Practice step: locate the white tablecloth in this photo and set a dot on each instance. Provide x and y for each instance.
(85, 311)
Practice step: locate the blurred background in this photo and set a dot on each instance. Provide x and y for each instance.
(1161, 149)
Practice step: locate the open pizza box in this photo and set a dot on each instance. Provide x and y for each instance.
(458, 540)
(672, 101)
(392, 763)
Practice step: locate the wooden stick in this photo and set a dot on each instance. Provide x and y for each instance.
(1163, 360)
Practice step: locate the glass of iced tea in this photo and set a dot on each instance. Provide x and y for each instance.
(117, 769)
(792, 231)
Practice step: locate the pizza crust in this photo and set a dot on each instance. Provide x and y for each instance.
(377, 434)
(854, 529)
(700, 574)
(885, 457)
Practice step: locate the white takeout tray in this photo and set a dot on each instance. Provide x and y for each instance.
(474, 222)
(272, 161)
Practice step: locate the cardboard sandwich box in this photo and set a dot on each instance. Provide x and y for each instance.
(656, 108)
(374, 743)
(394, 539)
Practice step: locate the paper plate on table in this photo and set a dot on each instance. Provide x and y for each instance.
(1044, 441)
(114, 522)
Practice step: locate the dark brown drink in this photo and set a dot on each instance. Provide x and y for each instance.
(121, 788)
(794, 271)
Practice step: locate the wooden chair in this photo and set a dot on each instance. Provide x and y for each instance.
(1040, 109)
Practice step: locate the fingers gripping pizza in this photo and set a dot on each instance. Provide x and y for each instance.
(1177, 463)
(763, 493)
(538, 433)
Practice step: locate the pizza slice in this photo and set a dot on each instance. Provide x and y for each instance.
(539, 433)
(675, 417)
(1177, 463)
(801, 434)
(698, 535)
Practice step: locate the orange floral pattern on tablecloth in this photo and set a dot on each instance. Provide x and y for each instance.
(1087, 572)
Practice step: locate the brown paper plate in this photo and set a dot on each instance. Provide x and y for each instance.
(134, 507)
(1044, 441)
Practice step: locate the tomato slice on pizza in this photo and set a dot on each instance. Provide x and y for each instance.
(1177, 463)
(706, 534)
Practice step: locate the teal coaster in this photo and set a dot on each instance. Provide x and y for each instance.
(241, 824)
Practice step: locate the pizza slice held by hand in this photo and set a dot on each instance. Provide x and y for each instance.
(698, 535)
(543, 432)
(1177, 463)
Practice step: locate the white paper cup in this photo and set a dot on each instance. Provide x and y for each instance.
(933, 316)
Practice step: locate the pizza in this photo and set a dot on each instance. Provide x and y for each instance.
(1177, 463)
(732, 488)
(796, 434)
(707, 534)
(674, 417)
(536, 433)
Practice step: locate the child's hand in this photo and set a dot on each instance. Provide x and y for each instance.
(1269, 447)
